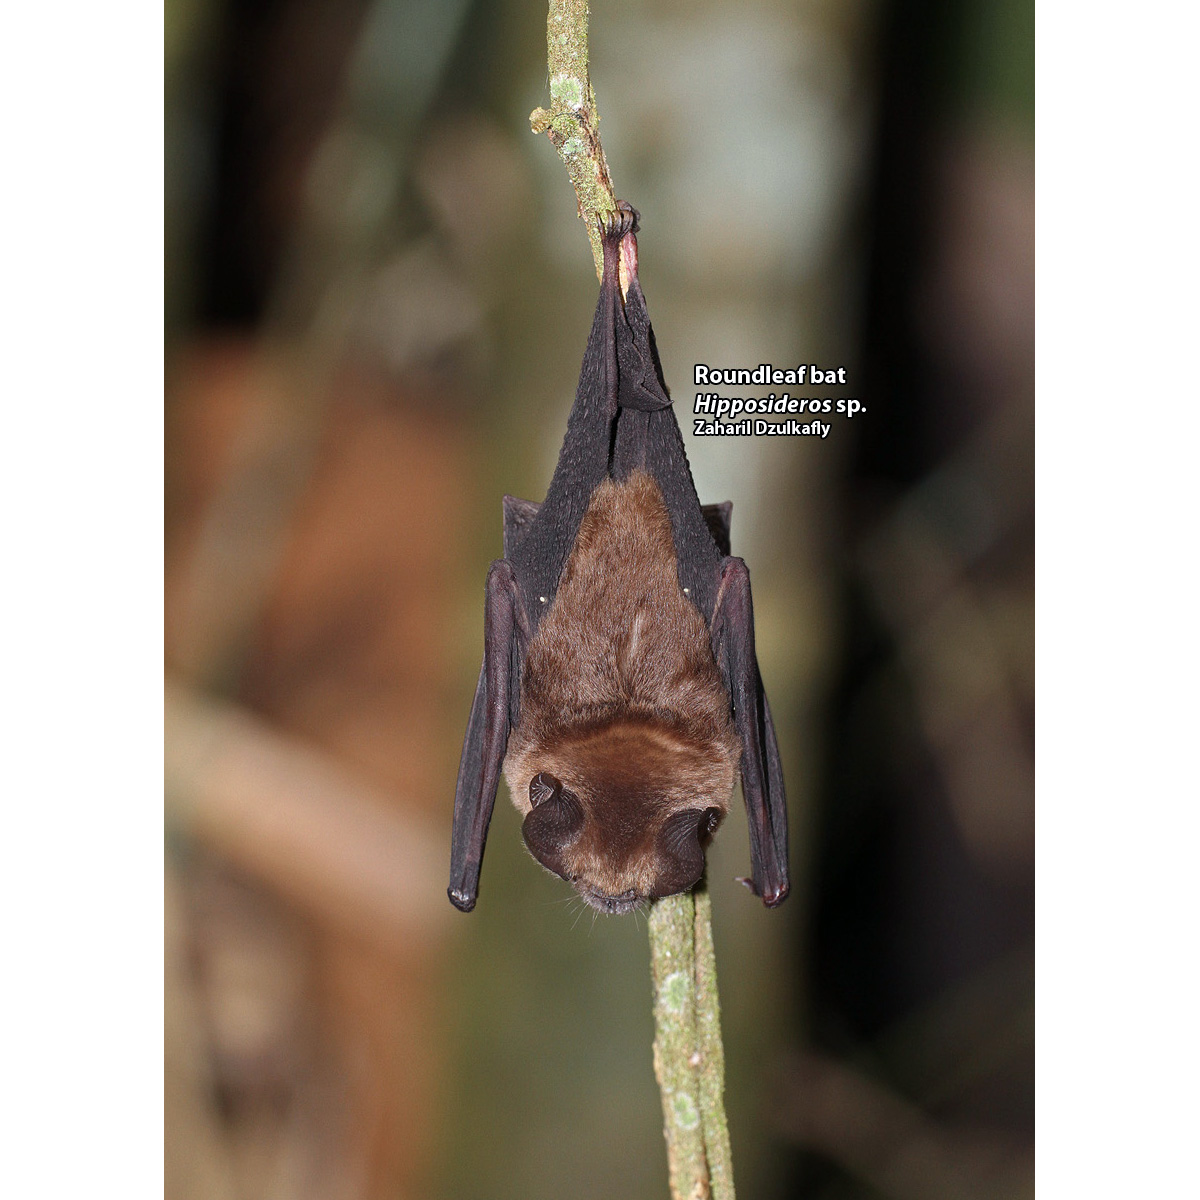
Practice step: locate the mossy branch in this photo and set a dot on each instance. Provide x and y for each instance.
(711, 1068)
(689, 1059)
(572, 122)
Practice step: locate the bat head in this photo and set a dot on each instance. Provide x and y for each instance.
(626, 813)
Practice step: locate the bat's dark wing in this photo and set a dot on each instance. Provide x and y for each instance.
(487, 734)
(620, 379)
(621, 420)
(762, 772)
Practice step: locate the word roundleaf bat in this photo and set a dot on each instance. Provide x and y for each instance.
(620, 693)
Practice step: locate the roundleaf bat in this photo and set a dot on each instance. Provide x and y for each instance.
(620, 693)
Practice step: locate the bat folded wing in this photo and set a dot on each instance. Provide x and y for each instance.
(762, 772)
(486, 739)
(639, 375)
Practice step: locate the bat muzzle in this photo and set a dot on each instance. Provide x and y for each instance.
(612, 905)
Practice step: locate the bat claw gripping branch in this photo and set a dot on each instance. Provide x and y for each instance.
(625, 220)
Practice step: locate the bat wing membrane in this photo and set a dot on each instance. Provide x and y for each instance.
(762, 772)
(639, 381)
(718, 518)
(487, 737)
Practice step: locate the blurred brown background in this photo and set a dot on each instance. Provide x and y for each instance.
(378, 296)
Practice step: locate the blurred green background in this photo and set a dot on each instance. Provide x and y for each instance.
(378, 295)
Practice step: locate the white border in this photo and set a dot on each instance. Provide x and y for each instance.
(81, 500)
(1118, 600)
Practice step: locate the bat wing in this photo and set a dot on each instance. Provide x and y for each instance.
(518, 516)
(487, 734)
(621, 419)
(718, 517)
(762, 772)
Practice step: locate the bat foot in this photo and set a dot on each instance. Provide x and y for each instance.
(625, 220)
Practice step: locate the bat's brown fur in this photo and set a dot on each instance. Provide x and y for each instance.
(621, 699)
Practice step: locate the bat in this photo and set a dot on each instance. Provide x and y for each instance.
(620, 693)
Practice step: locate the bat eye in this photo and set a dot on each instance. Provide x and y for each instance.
(710, 818)
(541, 787)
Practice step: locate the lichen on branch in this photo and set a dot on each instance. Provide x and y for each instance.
(689, 1060)
(672, 970)
(572, 121)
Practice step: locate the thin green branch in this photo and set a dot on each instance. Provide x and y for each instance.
(572, 121)
(711, 1069)
(672, 969)
(689, 1060)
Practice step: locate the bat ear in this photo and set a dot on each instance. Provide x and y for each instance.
(681, 842)
(710, 818)
(542, 787)
(553, 823)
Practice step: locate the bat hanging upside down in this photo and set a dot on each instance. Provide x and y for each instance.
(620, 692)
